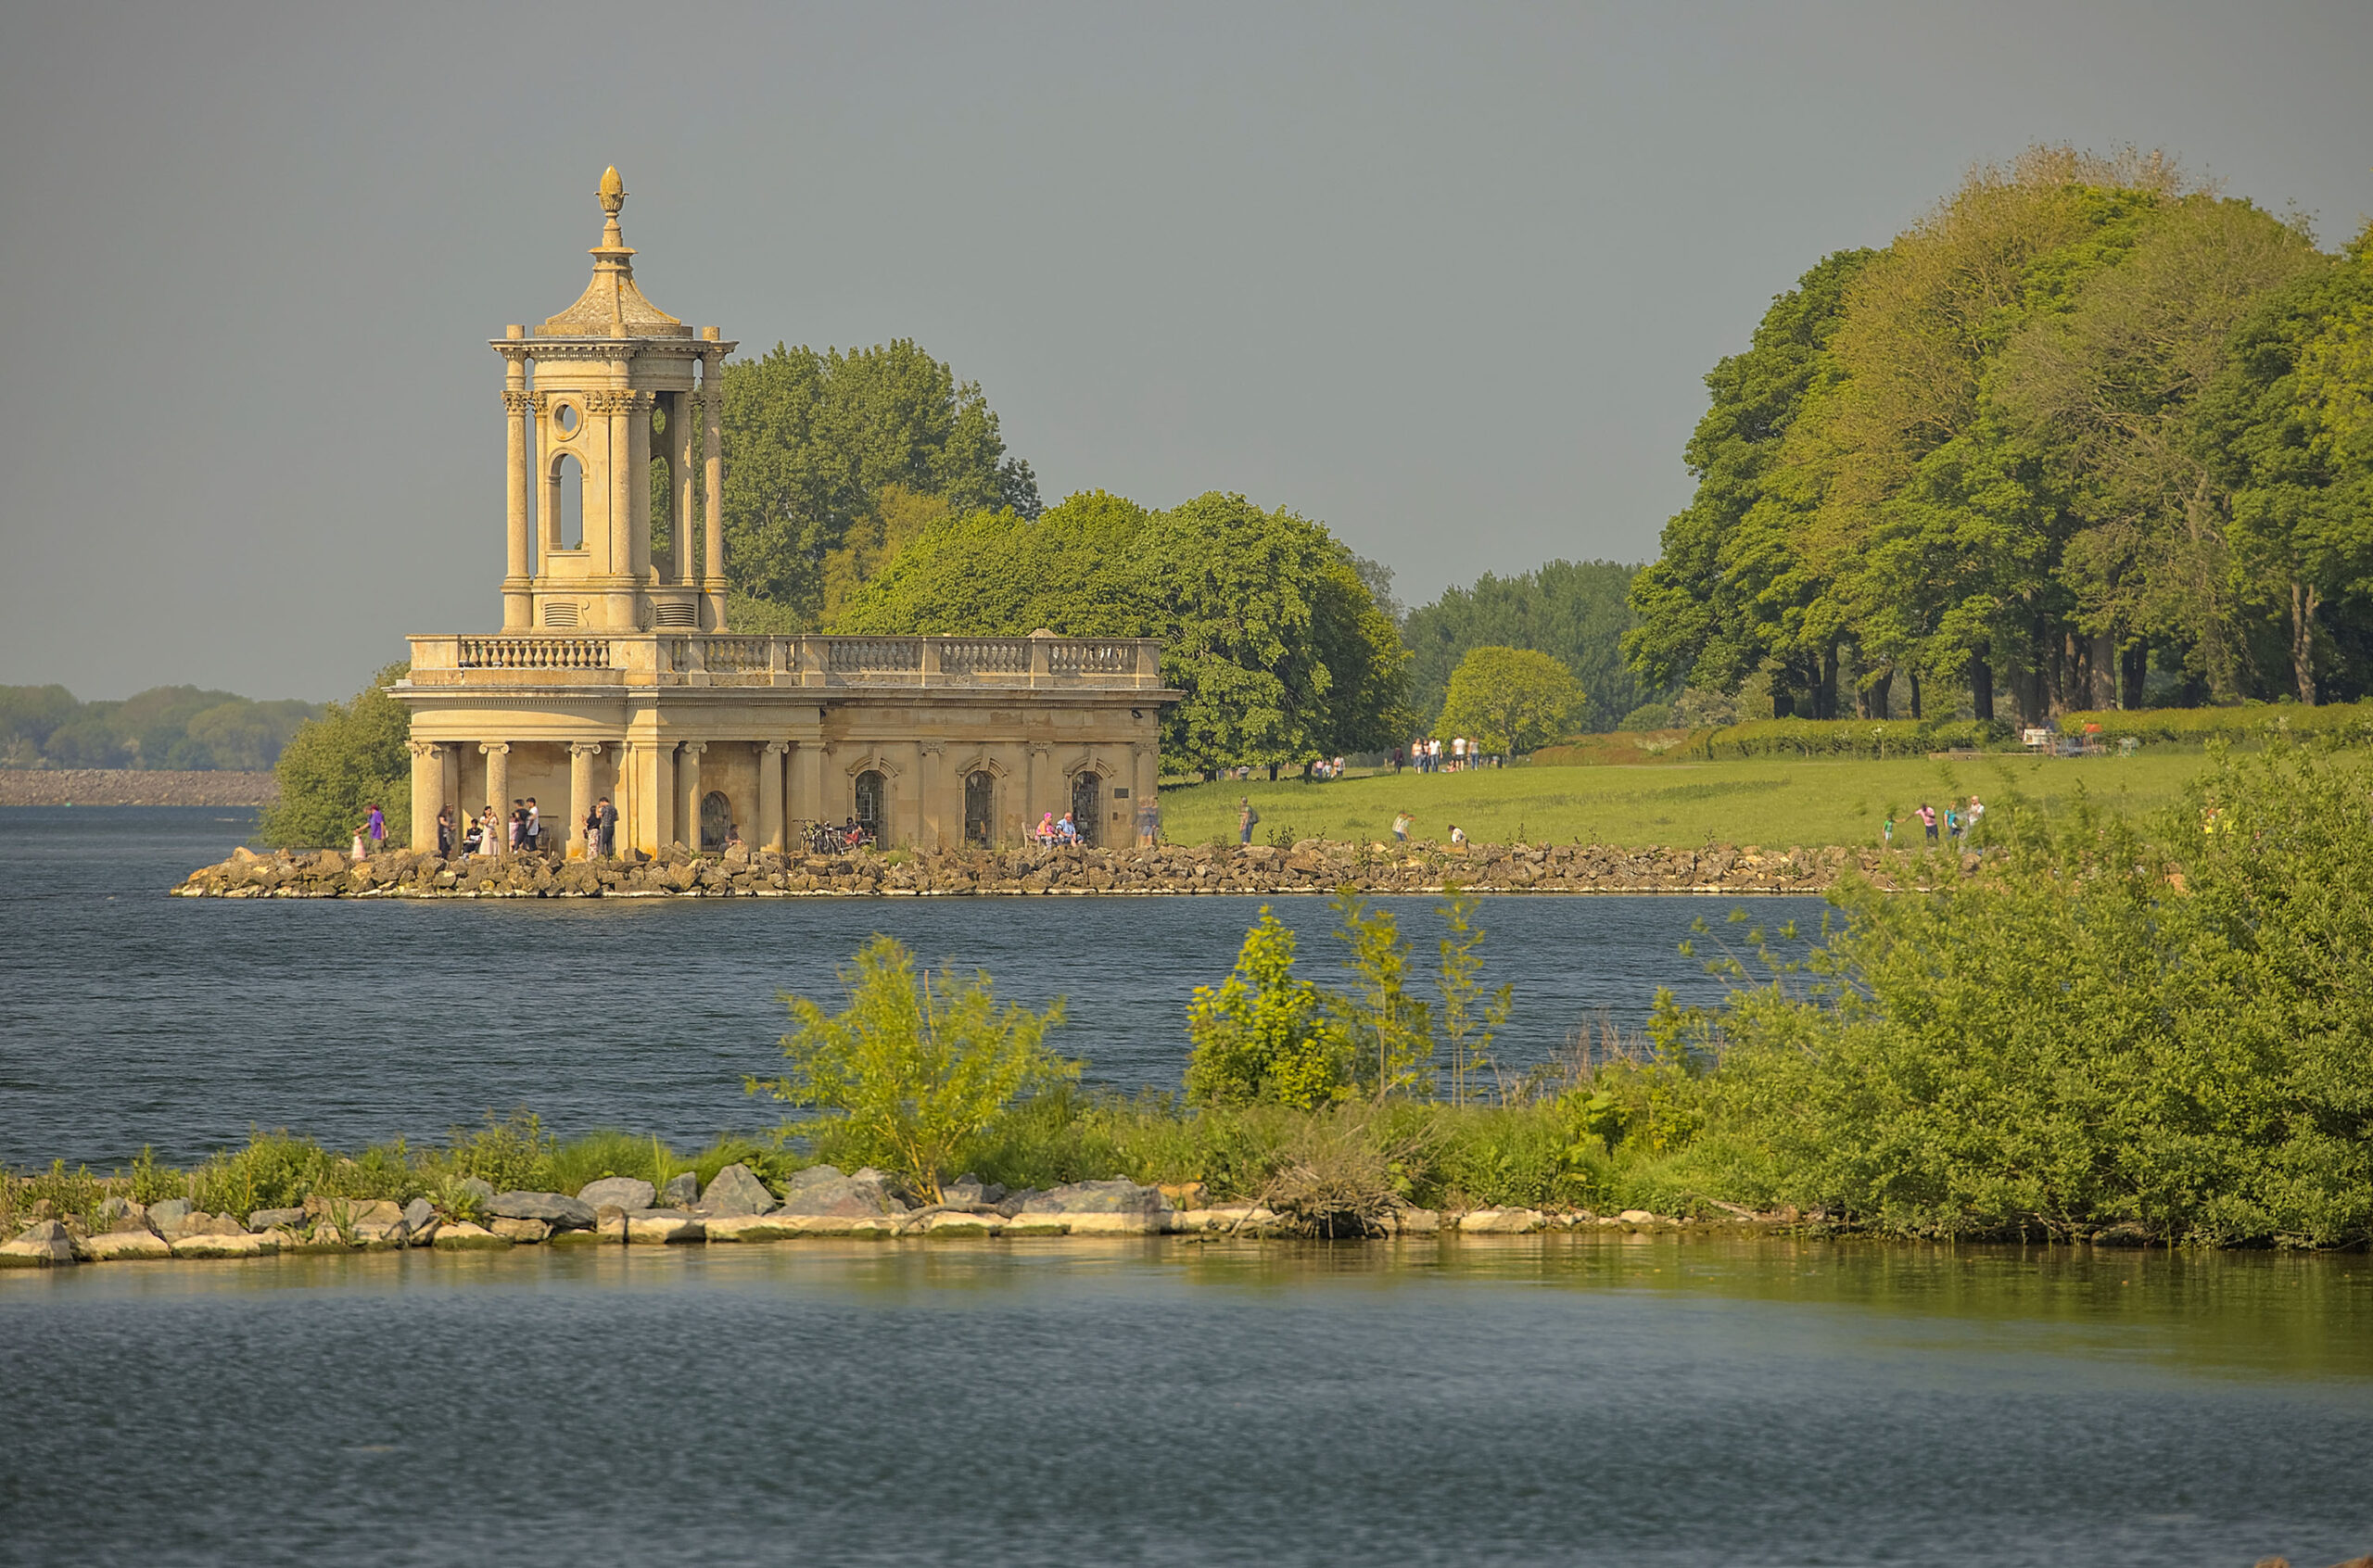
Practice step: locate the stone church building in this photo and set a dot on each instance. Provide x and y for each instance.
(616, 674)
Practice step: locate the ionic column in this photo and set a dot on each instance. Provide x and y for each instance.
(619, 411)
(638, 468)
(689, 773)
(498, 790)
(427, 792)
(518, 603)
(659, 812)
(681, 406)
(770, 802)
(580, 792)
(713, 483)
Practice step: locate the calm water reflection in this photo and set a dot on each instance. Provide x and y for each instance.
(1535, 1401)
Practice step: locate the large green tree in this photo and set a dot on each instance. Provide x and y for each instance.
(1266, 624)
(355, 756)
(812, 442)
(1577, 612)
(1511, 699)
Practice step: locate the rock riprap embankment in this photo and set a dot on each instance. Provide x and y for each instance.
(736, 1207)
(1311, 866)
(135, 786)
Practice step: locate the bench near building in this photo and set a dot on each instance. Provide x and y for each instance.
(614, 673)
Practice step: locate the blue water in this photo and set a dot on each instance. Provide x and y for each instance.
(128, 1018)
(1562, 1399)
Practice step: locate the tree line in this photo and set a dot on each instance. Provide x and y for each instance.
(165, 727)
(2087, 435)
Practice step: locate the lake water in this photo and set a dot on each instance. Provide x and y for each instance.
(129, 1018)
(1556, 1400)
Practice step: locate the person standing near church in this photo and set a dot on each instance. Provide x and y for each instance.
(607, 816)
(445, 832)
(375, 828)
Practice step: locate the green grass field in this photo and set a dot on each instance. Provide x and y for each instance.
(1767, 801)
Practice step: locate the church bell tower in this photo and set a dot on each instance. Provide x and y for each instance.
(603, 403)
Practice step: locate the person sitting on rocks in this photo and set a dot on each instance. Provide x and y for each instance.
(1046, 831)
(1457, 834)
(1067, 831)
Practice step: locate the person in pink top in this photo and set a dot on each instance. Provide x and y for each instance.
(1927, 814)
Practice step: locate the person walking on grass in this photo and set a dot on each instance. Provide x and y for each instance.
(1886, 831)
(1401, 822)
(1246, 819)
(1927, 814)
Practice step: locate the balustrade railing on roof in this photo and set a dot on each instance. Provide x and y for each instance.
(535, 654)
(672, 657)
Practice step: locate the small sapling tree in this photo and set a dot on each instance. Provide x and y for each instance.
(916, 1064)
(1264, 1035)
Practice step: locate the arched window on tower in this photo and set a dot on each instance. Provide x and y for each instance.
(716, 820)
(567, 495)
(1087, 807)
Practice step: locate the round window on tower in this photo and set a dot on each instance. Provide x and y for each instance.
(565, 416)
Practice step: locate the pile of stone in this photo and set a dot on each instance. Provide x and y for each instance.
(735, 1206)
(1311, 866)
(135, 786)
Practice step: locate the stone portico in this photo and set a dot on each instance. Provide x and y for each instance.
(614, 673)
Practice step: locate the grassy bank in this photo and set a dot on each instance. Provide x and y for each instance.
(1773, 801)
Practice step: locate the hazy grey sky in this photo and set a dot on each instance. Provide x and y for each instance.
(1444, 277)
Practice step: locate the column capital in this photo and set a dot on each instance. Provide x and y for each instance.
(494, 748)
(932, 748)
(585, 748)
(517, 403)
(428, 751)
(694, 748)
(779, 748)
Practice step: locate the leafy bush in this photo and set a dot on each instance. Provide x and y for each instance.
(916, 1066)
(337, 766)
(2163, 1024)
(1852, 738)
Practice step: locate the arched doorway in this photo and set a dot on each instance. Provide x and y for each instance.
(1087, 807)
(870, 788)
(716, 820)
(980, 807)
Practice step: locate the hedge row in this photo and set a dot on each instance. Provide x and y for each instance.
(1903, 738)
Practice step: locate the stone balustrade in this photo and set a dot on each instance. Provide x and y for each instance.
(667, 658)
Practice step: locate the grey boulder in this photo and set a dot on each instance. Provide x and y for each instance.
(1098, 1197)
(167, 1217)
(736, 1191)
(553, 1208)
(265, 1219)
(967, 1192)
(419, 1214)
(619, 1191)
(682, 1191)
(844, 1197)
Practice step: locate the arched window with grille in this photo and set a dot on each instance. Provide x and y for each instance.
(871, 790)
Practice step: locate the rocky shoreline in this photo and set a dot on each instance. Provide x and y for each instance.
(738, 1208)
(1311, 866)
(130, 786)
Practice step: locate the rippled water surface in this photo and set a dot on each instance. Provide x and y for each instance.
(1557, 1400)
(1535, 1401)
(128, 1018)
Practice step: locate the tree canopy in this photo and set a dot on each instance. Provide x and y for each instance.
(1576, 612)
(1266, 624)
(165, 727)
(354, 756)
(2031, 446)
(822, 450)
(1511, 699)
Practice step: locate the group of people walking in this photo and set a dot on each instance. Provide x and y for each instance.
(1427, 755)
(1955, 824)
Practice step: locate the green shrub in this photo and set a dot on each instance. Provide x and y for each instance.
(918, 1066)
